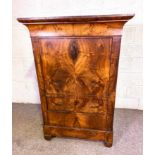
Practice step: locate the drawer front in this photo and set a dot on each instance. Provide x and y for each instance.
(88, 105)
(76, 66)
(78, 120)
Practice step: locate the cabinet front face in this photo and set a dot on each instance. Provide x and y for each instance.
(76, 61)
(76, 73)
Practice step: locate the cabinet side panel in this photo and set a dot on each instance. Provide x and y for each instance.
(115, 51)
(36, 52)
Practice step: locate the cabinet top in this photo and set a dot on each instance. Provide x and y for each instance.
(76, 19)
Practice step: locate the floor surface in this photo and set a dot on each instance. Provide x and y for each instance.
(28, 135)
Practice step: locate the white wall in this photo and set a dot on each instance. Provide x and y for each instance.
(129, 88)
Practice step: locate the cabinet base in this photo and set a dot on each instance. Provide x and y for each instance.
(55, 131)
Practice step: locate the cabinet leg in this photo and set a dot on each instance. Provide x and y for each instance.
(47, 134)
(48, 137)
(107, 144)
(108, 141)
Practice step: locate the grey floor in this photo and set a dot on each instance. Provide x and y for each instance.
(28, 138)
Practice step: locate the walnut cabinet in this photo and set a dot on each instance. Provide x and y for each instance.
(76, 61)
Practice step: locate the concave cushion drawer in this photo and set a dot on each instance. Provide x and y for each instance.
(89, 105)
(77, 120)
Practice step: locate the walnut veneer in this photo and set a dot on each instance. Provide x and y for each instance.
(76, 62)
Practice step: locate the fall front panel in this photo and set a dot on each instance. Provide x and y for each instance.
(76, 73)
